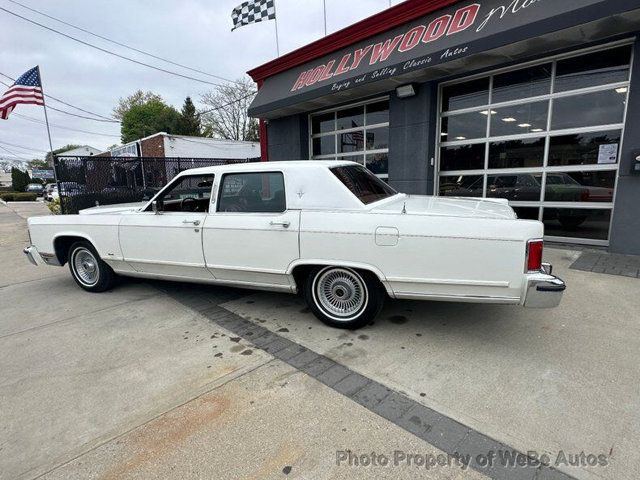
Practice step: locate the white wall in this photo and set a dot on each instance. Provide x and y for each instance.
(209, 148)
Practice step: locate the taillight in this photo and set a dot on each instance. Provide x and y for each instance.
(534, 255)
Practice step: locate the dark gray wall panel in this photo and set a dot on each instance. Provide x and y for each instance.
(288, 138)
(411, 140)
(625, 231)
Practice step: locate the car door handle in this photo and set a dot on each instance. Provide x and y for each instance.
(281, 224)
(194, 222)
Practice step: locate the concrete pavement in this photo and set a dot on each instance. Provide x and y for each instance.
(132, 384)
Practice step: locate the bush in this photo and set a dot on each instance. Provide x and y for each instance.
(19, 179)
(54, 206)
(18, 197)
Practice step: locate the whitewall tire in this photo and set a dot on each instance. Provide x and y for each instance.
(88, 269)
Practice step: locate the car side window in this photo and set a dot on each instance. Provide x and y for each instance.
(191, 193)
(252, 193)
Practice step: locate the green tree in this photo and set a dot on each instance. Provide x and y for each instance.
(189, 123)
(19, 180)
(137, 98)
(148, 118)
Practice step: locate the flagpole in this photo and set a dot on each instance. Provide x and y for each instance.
(46, 119)
(276, 19)
(324, 3)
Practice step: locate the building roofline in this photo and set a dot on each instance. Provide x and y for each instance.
(370, 26)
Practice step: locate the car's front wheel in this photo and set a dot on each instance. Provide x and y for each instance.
(88, 269)
(343, 297)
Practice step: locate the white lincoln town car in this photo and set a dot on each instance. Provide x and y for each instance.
(331, 230)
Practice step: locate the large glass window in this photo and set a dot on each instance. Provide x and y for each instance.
(546, 137)
(252, 193)
(358, 133)
(190, 193)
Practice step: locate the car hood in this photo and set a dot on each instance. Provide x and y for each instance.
(447, 206)
(113, 209)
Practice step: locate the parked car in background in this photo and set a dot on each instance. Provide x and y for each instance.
(36, 188)
(52, 194)
(331, 230)
(47, 189)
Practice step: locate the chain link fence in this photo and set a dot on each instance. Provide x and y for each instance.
(85, 182)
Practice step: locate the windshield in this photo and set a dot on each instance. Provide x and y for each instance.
(363, 184)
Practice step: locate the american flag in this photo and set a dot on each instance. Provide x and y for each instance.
(27, 89)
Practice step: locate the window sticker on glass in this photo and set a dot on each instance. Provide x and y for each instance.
(608, 153)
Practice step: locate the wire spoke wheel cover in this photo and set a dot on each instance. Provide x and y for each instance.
(341, 293)
(85, 266)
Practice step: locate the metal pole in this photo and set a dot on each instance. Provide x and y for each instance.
(276, 19)
(324, 2)
(53, 157)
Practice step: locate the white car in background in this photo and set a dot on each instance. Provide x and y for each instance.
(332, 230)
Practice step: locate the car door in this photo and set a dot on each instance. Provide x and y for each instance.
(168, 242)
(252, 237)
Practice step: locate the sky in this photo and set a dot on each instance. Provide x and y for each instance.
(196, 33)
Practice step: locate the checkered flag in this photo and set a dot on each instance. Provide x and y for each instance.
(253, 11)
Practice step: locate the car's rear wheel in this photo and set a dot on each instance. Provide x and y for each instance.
(88, 269)
(343, 297)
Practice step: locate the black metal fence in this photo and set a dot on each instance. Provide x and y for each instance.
(85, 182)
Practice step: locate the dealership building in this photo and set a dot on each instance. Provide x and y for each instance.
(535, 101)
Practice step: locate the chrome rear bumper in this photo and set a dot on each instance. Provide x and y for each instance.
(31, 254)
(543, 290)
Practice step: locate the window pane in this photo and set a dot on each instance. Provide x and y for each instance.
(195, 188)
(464, 127)
(465, 95)
(378, 138)
(378, 163)
(519, 119)
(462, 186)
(600, 108)
(378, 113)
(324, 145)
(351, 142)
(527, 213)
(351, 118)
(529, 82)
(598, 68)
(462, 157)
(525, 153)
(580, 187)
(323, 123)
(524, 187)
(577, 223)
(585, 149)
(363, 184)
(252, 192)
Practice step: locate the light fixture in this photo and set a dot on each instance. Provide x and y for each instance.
(461, 138)
(536, 130)
(486, 112)
(406, 91)
(622, 90)
(509, 119)
(444, 134)
(524, 125)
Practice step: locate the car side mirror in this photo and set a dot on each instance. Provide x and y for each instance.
(156, 208)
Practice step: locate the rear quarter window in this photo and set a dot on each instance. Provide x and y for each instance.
(362, 183)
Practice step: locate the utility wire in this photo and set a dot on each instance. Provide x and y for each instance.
(24, 148)
(13, 154)
(42, 122)
(227, 104)
(104, 50)
(101, 119)
(121, 44)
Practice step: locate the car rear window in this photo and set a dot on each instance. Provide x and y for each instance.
(363, 184)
